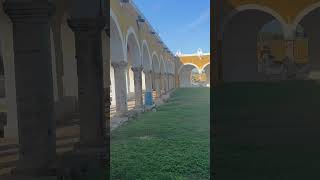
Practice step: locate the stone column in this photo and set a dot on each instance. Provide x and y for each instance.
(120, 87)
(153, 80)
(161, 84)
(34, 85)
(164, 83)
(157, 84)
(88, 42)
(137, 73)
(171, 82)
(168, 82)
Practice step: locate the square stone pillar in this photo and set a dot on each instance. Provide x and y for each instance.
(162, 88)
(168, 82)
(34, 86)
(120, 87)
(157, 84)
(88, 42)
(148, 79)
(137, 71)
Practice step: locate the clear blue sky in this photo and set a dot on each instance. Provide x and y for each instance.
(183, 24)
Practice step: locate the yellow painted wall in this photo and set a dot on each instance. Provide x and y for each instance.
(127, 16)
(288, 9)
(200, 62)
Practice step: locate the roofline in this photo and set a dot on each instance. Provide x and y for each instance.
(149, 25)
(194, 54)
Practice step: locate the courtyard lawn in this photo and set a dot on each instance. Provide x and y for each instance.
(265, 131)
(172, 143)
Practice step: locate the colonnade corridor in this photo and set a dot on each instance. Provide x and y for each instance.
(272, 132)
(171, 143)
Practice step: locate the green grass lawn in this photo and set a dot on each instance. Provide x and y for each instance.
(267, 131)
(172, 143)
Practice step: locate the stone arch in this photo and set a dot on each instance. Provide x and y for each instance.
(155, 63)
(117, 48)
(256, 7)
(304, 13)
(207, 69)
(133, 48)
(204, 66)
(185, 74)
(146, 58)
(155, 70)
(162, 66)
(239, 60)
(196, 66)
(306, 21)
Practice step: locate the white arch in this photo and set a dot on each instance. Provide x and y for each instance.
(305, 12)
(254, 7)
(189, 64)
(154, 54)
(171, 67)
(115, 19)
(203, 67)
(131, 31)
(162, 65)
(167, 66)
(145, 44)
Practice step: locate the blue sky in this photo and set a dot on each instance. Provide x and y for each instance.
(183, 24)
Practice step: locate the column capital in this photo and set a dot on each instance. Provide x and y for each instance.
(137, 69)
(92, 24)
(32, 12)
(119, 65)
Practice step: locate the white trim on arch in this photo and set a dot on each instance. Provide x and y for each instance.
(157, 57)
(254, 7)
(115, 19)
(204, 66)
(130, 30)
(305, 12)
(180, 68)
(144, 42)
(162, 64)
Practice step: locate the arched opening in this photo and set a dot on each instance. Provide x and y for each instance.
(239, 47)
(118, 88)
(307, 43)
(134, 61)
(112, 87)
(271, 53)
(156, 79)
(146, 64)
(206, 72)
(190, 76)
(162, 75)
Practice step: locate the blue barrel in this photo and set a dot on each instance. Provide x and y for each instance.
(148, 98)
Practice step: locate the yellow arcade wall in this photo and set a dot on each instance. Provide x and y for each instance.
(288, 9)
(127, 18)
